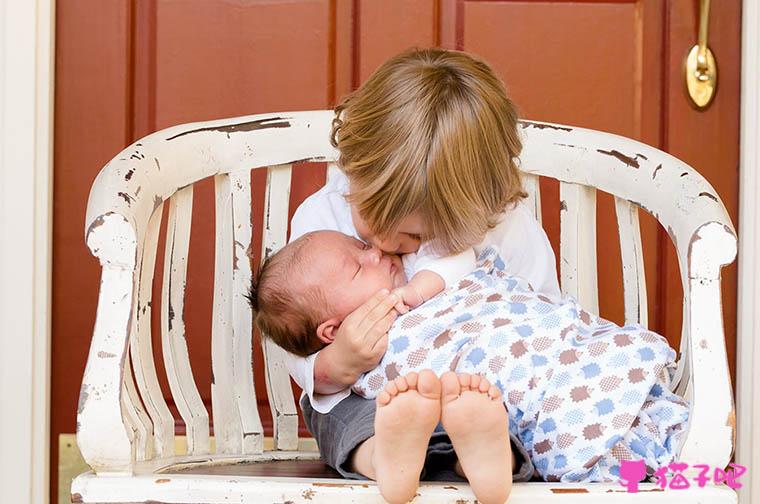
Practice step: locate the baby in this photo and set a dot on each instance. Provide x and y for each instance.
(582, 394)
(305, 291)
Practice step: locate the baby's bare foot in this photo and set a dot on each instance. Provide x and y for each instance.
(407, 412)
(474, 417)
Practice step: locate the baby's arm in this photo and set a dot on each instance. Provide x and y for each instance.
(424, 285)
(433, 273)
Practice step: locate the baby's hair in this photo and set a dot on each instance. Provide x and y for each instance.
(282, 312)
(433, 131)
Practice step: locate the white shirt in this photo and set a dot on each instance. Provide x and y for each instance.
(519, 237)
(451, 268)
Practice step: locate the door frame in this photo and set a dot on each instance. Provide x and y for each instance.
(27, 58)
(748, 323)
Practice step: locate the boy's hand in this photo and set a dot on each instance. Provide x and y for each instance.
(359, 344)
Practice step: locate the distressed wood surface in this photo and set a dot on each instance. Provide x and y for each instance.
(177, 488)
(227, 424)
(284, 414)
(530, 182)
(136, 419)
(174, 346)
(141, 346)
(632, 259)
(139, 179)
(578, 277)
(712, 422)
(242, 314)
(102, 436)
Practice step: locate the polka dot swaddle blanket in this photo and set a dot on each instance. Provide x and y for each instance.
(582, 393)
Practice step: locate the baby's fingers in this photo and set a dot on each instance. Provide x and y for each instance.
(401, 307)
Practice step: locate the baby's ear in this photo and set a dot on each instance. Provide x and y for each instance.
(326, 330)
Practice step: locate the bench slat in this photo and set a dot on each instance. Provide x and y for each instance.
(531, 186)
(242, 316)
(578, 244)
(139, 426)
(227, 424)
(141, 347)
(284, 415)
(176, 357)
(632, 259)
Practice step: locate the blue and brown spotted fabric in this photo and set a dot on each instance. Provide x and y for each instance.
(582, 393)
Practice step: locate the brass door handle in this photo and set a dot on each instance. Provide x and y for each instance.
(700, 68)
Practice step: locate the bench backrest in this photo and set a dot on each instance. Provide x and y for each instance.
(123, 417)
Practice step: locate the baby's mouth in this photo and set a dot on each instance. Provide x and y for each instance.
(397, 273)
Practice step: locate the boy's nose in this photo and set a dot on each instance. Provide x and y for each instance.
(389, 246)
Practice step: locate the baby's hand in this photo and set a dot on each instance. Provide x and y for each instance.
(423, 286)
(408, 298)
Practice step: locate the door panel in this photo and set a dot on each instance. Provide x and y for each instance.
(708, 141)
(550, 58)
(125, 69)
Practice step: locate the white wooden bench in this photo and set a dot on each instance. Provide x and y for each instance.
(125, 430)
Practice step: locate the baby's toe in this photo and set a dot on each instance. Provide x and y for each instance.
(450, 386)
(383, 398)
(391, 389)
(401, 384)
(465, 380)
(411, 379)
(484, 385)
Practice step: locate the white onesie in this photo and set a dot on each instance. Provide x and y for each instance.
(520, 238)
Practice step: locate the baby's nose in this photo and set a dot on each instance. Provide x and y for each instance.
(371, 256)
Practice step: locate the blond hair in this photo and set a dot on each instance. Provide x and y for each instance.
(283, 310)
(431, 131)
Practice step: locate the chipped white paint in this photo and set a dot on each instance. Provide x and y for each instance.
(577, 263)
(173, 343)
(712, 425)
(101, 435)
(139, 179)
(136, 419)
(180, 488)
(141, 347)
(683, 202)
(632, 258)
(242, 315)
(531, 184)
(284, 414)
(227, 425)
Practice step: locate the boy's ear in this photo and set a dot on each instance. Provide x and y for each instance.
(326, 330)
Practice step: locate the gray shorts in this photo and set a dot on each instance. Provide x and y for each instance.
(352, 421)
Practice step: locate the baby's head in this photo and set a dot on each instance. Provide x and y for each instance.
(429, 145)
(304, 291)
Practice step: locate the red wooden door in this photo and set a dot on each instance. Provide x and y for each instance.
(125, 69)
